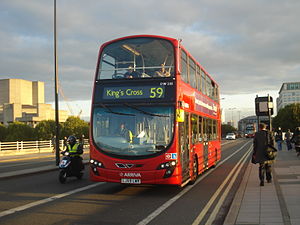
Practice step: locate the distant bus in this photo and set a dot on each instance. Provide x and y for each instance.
(155, 116)
(250, 130)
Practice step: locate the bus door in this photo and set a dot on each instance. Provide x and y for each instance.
(184, 145)
(205, 153)
(205, 142)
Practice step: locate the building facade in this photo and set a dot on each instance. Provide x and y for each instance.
(24, 101)
(242, 124)
(289, 93)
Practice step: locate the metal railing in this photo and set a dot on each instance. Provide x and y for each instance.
(32, 145)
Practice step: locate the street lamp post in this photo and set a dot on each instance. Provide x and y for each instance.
(231, 109)
(56, 92)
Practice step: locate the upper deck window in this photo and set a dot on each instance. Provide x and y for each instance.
(137, 58)
(184, 67)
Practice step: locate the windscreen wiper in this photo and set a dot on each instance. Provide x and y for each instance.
(144, 112)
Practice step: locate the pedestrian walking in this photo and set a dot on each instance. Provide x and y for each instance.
(296, 140)
(53, 141)
(65, 144)
(261, 140)
(81, 140)
(278, 138)
(288, 136)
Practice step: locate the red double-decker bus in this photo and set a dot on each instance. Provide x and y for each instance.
(155, 114)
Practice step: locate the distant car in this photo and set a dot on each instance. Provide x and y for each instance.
(230, 136)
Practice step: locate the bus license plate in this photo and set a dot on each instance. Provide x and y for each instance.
(130, 181)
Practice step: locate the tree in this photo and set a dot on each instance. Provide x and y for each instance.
(288, 117)
(3, 132)
(18, 131)
(45, 130)
(225, 128)
(75, 126)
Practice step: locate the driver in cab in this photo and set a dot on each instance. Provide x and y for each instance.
(126, 133)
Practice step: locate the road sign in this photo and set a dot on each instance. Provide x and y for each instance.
(264, 106)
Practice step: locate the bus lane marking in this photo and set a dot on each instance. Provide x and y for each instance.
(46, 200)
(233, 173)
(163, 207)
(225, 193)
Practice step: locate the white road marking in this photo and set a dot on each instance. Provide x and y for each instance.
(163, 207)
(233, 173)
(43, 201)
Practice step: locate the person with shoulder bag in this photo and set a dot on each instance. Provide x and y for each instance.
(278, 138)
(296, 140)
(262, 142)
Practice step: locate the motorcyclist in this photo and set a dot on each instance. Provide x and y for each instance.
(75, 149)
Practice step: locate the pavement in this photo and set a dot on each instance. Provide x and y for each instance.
(276, 203)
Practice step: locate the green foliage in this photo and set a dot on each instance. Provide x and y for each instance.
(18, 131)
(3, 132)
(225, 128)
(45, 130)
(75, 126)
(288, 117)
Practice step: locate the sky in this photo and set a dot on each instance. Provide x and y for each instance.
(250, 47)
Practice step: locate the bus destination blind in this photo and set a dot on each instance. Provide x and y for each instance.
(135, 92)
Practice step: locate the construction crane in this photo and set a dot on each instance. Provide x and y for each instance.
(66, 100)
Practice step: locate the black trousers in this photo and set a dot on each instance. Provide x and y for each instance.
(265, 168)
(76, 163)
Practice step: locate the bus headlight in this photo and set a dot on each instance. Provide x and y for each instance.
(95, 163)
(169, 167)
(166, 165)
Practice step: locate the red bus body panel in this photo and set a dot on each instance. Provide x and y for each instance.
(146, 169)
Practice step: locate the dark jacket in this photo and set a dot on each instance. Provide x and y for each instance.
(296, 138)
(260, 143)
(278, 136)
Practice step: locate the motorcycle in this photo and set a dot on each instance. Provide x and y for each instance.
(67, 169)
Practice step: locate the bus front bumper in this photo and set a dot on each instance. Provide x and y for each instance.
(134, 177)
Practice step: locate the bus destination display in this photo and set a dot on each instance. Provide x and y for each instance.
(134, 92)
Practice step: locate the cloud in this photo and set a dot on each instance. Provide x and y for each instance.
(247, 46)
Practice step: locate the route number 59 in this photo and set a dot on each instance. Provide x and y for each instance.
(156, 92)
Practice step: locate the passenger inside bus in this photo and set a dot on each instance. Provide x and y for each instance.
(163, 72)
(131, 73)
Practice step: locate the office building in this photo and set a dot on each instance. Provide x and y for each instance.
(289, 93)
(24, 101)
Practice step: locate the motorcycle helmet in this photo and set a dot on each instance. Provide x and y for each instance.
(71, 140)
